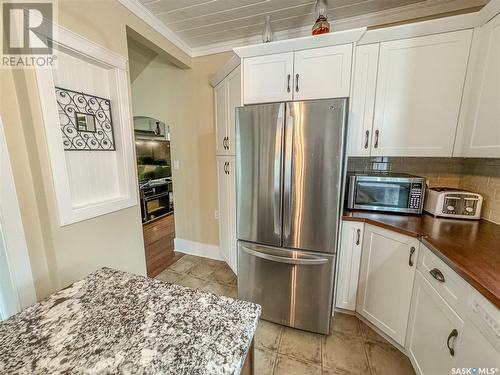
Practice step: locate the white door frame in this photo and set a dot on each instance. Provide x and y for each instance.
(17, 289)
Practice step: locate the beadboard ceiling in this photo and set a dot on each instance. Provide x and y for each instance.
(202, 23)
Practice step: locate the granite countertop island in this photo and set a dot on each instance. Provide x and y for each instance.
(113, 322)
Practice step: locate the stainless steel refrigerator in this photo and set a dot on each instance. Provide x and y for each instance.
(289, 161)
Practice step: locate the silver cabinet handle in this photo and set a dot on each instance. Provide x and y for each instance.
(437, 274)
(226, 164)
(376, 138)
(453, 334)
(297, 82)
(224, 143)
(227, 143)
(358, 236)
(410, 260)
(228, 170)
(367, 137)
(288, 83)
(310, 261)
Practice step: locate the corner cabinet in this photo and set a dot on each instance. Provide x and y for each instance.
(387, 271)
(316, 73)
(479, 127)
(227, 96)
(349, 257)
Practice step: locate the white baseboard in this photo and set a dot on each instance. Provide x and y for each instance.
(198, 249)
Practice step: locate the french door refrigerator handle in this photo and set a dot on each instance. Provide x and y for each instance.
(278, 177)
(311, 261)
(287, 170)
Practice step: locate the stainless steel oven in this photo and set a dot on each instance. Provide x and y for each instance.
(386, 192)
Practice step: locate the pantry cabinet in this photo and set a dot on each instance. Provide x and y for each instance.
(479, 128)
(434, 331)
(316, 73)
(227, 96)
(349, 257)
(387, 271)
(227, 209)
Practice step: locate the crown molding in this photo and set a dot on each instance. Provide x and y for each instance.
(143, 13)
(406, 12)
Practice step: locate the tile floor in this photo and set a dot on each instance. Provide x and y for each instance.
(352, 348)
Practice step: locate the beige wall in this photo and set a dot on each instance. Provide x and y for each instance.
(61, 255)
(183, 99)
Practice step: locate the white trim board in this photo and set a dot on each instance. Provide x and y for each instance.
(16, 257)
(198, 249)
(125, 187)
(406, 12)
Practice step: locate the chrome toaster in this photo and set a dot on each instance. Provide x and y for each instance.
(447, 202)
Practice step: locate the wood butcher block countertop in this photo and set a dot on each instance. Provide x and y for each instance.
(470, 247)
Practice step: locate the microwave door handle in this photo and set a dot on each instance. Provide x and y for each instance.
(310, 261)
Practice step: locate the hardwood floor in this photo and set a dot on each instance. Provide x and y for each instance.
(159, 245)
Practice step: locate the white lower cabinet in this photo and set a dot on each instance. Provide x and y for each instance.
(434, 331)
(349, 257)
(387, 271)
(227, 209)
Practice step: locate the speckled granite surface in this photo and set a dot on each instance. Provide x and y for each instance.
(117, 323)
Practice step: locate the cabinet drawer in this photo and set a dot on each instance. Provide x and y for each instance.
(450, 286)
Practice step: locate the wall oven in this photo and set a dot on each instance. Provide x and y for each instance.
(386, 192)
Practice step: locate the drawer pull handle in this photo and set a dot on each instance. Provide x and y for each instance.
(297, 82)
(437, 274)
(453, 334)
(367, 137)
(410, 260)
(288, 83)
(358, 236)
(376, 138)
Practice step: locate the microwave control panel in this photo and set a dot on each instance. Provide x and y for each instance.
(416, 193)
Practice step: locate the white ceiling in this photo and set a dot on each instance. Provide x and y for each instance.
(199, 23)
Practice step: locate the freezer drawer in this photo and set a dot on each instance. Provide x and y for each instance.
(294, 288)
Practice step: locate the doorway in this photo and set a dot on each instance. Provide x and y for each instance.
(154, 118)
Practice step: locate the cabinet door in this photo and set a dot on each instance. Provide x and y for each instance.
(362, 100)
(233, 86)
(388, 263)
(268, 78)
(419, 90)
(433, 332)
(322, 73)
(349, 258)
(220, 93)
(231, 213)
(479, 129)
(224, 209)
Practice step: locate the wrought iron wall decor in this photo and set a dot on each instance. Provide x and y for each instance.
(85, 120)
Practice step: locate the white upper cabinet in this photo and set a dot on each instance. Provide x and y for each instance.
(227, 97)
(479, 128)
(268, 78)
(317, 73)
(363, 100)
(419, 90)
(387, 271)
(220, 92)
(233, 87)
(322, 73)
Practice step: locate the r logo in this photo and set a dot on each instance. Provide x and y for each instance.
(27, 28)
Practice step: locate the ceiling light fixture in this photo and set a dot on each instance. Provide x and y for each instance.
(322, 25)
(267, 33)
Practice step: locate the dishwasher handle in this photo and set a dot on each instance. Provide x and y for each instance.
(309, 261)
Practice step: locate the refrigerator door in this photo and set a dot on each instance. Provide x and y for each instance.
(313, 162)
(259, 143)
(294, 288)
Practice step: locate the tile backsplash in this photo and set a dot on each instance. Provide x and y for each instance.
(478, 175)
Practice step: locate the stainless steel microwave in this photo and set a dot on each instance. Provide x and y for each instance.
(386, 192)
